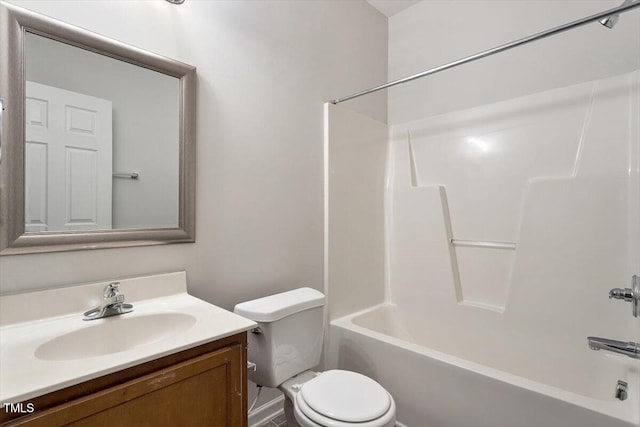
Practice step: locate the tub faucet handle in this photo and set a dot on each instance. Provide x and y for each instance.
(620, 293)
(631, 295)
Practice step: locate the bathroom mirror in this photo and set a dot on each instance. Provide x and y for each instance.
(97, 140)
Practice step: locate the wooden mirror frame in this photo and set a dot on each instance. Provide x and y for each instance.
(15, 22)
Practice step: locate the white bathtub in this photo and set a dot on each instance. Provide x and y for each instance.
(449, 380)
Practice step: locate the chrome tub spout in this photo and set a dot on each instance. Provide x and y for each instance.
(630, 349)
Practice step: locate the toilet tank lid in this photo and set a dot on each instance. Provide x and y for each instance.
(275, 307)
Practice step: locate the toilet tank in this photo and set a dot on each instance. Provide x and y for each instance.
(288, 339)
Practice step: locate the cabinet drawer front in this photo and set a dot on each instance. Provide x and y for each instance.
(204, 391)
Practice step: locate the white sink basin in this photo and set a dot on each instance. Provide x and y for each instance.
(46, 346)
(113, 335)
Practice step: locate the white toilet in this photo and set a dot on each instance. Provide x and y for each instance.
(287, 343)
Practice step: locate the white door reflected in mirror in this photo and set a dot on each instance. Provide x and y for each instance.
(68, 160)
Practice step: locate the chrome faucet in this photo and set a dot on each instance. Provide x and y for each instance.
(112, 305)
(630, 349)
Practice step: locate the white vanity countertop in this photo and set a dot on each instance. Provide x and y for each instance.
(165, 320)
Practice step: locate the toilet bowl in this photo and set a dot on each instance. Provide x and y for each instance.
(287, 344)
(337, 398)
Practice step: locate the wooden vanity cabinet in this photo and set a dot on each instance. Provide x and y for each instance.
(202, 386)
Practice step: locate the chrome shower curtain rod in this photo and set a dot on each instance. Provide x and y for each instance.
(501, 48)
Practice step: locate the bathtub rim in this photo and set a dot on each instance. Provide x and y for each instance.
(608, 408)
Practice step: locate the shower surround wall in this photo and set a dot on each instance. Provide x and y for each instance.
(551, 177)
(355, 162)
(536, 151)
(545, 179)
(552, 181)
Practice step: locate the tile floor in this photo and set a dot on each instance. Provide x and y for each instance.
(278, 421)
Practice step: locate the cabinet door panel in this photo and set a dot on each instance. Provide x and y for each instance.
(204, 391)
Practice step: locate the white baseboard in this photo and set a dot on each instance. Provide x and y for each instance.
(266, 412)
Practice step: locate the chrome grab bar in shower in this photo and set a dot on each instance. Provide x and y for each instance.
(483, 244)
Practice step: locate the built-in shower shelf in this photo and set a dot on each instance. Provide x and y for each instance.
(483, 244)
(481, 272)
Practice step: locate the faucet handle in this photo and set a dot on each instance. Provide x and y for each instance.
(619, 293)
(111, 290)
(631, 295)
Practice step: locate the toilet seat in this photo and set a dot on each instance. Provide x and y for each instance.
(340, 398)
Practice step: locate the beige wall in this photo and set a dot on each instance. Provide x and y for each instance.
(264, 71)
(265, 68)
